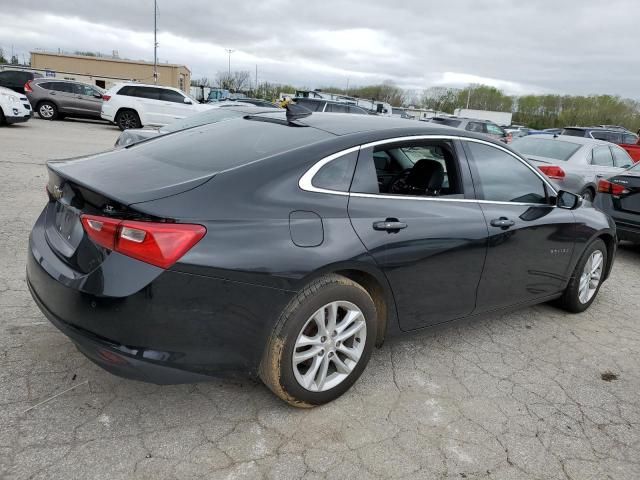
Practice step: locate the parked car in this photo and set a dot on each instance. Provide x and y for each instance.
(213, 115)
(56, 99)
(485, 127)
(619, 196)
(258, 102)
(552, 131)
(624, 138)
(16, 79)
(14, 107)
(289, 244)
(135, 105)
(575, 163)
(320, 105)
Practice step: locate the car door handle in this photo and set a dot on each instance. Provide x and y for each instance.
(392, 225)
(502, 222)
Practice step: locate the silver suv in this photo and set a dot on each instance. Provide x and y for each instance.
(474, 125)
(53, 98)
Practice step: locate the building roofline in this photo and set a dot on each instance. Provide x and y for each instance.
(107, 59)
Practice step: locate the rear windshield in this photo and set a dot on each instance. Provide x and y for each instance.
(548, 148)
(210, 116)
(446, 121)
(220, 146)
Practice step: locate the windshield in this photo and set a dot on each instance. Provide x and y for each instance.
(210, 116)
(548, 148)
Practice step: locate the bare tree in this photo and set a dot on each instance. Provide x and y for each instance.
(236, 81)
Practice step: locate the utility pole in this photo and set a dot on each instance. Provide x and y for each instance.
(256, 78)
(155, 42)
(468, 97)
(347, 87)
(229, 51)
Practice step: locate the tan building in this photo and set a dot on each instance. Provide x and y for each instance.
(105, 71)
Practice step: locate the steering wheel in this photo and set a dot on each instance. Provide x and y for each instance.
(398, 179)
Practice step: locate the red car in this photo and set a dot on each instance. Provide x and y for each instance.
(627, 140)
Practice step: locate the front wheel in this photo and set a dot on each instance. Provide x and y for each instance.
(586, 279)
(321, 343)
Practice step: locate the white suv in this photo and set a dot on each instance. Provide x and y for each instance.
(134, 105)
(14, 107)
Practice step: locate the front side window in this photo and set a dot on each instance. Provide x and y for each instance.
(494, 129)
(500, 177)
(410, 169)
(80, 89)
(149, 93)
(602, 156)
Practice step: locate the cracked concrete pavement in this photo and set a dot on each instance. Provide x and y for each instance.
(516, 396)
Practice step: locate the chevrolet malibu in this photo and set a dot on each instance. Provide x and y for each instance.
(288, 245)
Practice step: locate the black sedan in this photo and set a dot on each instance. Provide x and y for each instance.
(288, 245)
(619, 196)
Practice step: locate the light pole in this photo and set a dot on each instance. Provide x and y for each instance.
(155, 42)
(229, 51)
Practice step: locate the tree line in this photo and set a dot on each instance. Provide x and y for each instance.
(534, 111)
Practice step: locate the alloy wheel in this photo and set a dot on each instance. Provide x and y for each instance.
(591, 275)
(329, 346)
(46, 111)
(128, 120)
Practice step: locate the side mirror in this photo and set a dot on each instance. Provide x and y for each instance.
(187, 101)
(568, 200)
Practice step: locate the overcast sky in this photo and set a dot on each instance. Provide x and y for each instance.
(560, 46)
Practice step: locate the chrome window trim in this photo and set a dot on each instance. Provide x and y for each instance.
(305, 182)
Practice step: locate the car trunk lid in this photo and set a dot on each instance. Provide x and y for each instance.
(630, 201)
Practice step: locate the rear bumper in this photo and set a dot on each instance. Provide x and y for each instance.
(627, 231)
(161, 326)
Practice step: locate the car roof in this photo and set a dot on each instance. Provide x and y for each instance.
(136, 84)
(53, 79)
(566, 138)
(596, 129)
(343, 124)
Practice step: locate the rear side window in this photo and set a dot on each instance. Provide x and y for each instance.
(447, 121)
(612, 137)
(494, 129)
(167, 95)
(128, 90)
(336, 175)
(542, 147)
(337, 108)
(500, 177)
(311, 105)
(602, 156)
(629, 139)
(45, 85)
(224, 145)
(621, 158)
(61, 87)
(418, 168)
(475, 127)
(147, 92)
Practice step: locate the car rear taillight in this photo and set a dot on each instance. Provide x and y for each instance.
(509, 137)
(159, 244)
(27, 87)
(605, 186)
(552, 171)
(106, 98)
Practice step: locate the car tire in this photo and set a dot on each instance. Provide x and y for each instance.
(340, 363)
(583, 286)
(47, 110)
(588, 195)
(126, 119)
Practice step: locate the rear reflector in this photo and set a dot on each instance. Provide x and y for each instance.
(552, 171)
(605, 186)
(159, 244)
(106, 98)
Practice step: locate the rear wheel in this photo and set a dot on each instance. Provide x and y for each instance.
(588, 194)
(322, 342)
(47, 111)
(586, 279)
(126, 119)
